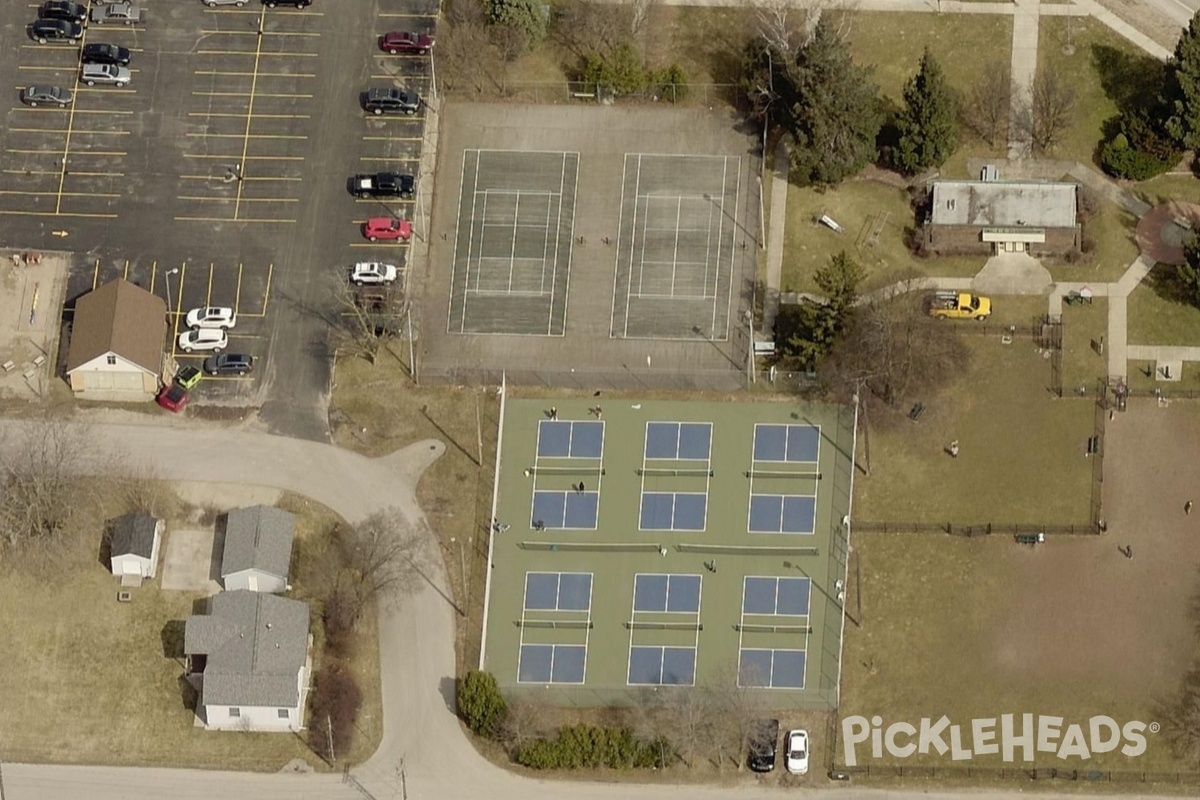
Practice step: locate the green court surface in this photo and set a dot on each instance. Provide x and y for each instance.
(669, 543)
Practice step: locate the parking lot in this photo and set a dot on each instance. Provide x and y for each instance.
(226, 157)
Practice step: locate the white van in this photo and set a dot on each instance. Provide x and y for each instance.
(112, 74)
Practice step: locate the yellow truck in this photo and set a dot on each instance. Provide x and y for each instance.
(958, 305)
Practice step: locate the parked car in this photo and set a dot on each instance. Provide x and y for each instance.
(215, 3)
(91, 74)
(229, 364)
(292, 3)
(383, 184)
(387, 228)
(797, 752)
(46, 96)
(121, 13)
(391, 101)
(98, 53)
(213, 339)
(211, 317)
(62, 9)
(396, 42)
(173, 397)
(55, 30)
(188, 377)
(374, 272)
(764, 738)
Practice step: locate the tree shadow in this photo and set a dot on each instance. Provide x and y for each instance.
(171, 637)
(1131, 80)
(1165, 283)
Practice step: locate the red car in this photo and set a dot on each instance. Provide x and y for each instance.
(396, 42)
(387, 228)
(173, 398)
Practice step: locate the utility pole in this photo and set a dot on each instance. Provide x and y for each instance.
(478, 431)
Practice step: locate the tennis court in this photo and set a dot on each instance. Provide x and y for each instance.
(676, 241)
(512, 249)
(639, 548)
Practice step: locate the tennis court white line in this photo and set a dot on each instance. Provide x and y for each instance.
(512, 248)
(479, 258)
(617, 258)
(632, 239)
(675, 253)
(737, 199)
(518, 192)
(545, 244)
(462, 324)
(562, 186)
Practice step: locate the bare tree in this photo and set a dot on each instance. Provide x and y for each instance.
(988, 104)
(588, 28)
(366, 318)
(739, 705)
(779, 28)
(379, 557)
(39, 480)
(893, 348)
(639, 13)
(525, 720)
(687, 717)
(1051, 109)
(1180, 717)
(466, 58)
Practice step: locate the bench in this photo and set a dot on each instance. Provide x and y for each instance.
(916, 412)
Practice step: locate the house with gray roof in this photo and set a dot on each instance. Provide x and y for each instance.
(249, 658)
(258, 549)
(994, 216)
(136, 540)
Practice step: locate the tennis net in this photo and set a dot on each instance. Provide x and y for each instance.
(666, 472)
(775, 473)
(584, 472)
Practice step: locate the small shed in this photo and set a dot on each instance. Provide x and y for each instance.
(117, 338)
(258, 549)
(136, 541)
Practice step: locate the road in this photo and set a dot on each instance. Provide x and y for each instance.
(424, 754)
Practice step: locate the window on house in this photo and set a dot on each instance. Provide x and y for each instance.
(234, 711)
(283, 713)
(112, 360)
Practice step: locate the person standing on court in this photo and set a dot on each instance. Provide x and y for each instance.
(1187, 507)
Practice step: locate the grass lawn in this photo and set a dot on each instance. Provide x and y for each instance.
(1113, 231)
(455, 492)
(857, 206)
(1169, 187)
(1155, 319)
(91, 672)
(1021, 452)
(1083, 327)
(1104, 71)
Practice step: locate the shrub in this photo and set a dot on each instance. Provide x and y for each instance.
(335, 704)
(590, 746)
(527, 16)
(622, 72)
(670, 83)
(480, 703)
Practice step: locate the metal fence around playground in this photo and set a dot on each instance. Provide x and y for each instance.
(579, 92)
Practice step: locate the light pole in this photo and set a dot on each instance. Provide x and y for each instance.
(167, 280)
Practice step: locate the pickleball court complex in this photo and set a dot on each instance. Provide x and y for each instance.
(669, 543)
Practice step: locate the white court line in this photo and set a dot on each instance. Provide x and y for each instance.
(708, 246)
(462, 325)
(482, 235)
(645, 238)
(737, 198)
(637, 187)
(675, 254)
(570, 244)
(617, 258)
(512, 250)
(562, 187)
(720, 207)
(545, 248)
(457, 231)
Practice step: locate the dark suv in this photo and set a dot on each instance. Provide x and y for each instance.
(229, 364)
(764, 738)
(383, 184)
(105, 54)
(62, 9)
(391, 101)
(49, 30)
(292, 3)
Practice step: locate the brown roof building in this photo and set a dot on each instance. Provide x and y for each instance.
(117, 339)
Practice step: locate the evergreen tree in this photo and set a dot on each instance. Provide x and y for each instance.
(831, 108)
(1183, 88)
(1187, 274)
(928, 125)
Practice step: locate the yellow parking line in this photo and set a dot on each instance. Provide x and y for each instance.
(261, 74)
(73, 172)
(408, 15)
(125, 276)
(63, 130)
(233, 199)
(55, 214)
(230, 219)
(267, 291)
(394, 201)
(248, 158)
(153, 275)
(208, 292)
(251, 52)
(73, 153)
(96, 274)
(247, 136)
(239, 116)
(199, 198)
(33, 67)
(244, 94)
(389, 159)
(393, 245)
(261, 179)
(51, 194)
(237, 292)
(392, 139)
(265, 33)
(79, 111)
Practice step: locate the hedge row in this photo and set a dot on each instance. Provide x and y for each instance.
(580, 746)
